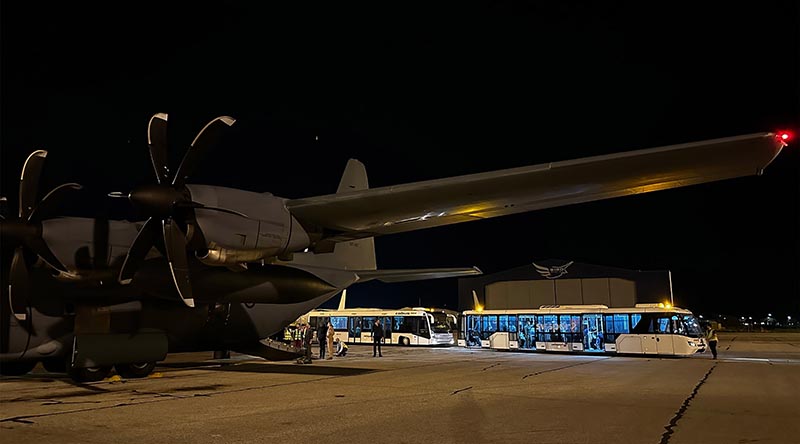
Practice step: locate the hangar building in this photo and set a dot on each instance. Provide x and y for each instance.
(561, 282)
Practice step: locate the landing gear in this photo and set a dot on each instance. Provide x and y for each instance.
(138, 370)
(16, 368)
(89, 374)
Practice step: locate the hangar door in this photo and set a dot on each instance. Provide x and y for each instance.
(613, 292)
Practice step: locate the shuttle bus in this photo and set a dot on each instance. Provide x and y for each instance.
(648, 329)
(408, 326)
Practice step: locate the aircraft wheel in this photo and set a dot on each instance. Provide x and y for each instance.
(55, 365)
(89, 374)
(16, 368)
(138, 370)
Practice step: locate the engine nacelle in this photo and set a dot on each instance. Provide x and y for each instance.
(255, 226)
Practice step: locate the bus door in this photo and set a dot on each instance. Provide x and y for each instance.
(592, 332)
(387, 329)
(648, 335)
(366, 328)
(354, 329)
(664, 336)
(423, 330)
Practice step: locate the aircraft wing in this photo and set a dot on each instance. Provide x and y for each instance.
(413, 206)
(390, 276)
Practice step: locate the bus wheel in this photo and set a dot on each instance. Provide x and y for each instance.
(404, 341)
(16, 368)
(138, 370)
(89, 374)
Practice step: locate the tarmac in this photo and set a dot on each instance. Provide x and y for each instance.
(750, 394)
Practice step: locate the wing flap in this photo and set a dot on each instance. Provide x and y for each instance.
(432, 203)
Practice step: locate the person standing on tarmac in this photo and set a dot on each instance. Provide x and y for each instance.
(306, 334)
(322, 332)
(711, 337)
(329, 336)
(377, 337)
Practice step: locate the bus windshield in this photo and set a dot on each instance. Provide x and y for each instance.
(692, 327)
(441, 324)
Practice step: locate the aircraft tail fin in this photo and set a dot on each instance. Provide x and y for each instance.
(355, 254)
(475, 304)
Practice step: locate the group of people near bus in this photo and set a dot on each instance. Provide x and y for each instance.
(329, 346)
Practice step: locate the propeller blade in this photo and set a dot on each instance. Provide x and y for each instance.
(118, 195)
(18, 283)
(29, 182)
(138, 251)
(48, 205)
(206, 138)
(39, 246)
(157, 143)
(100, 241)
(175, 242)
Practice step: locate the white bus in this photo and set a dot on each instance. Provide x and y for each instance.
(649, 329)
(410, 326)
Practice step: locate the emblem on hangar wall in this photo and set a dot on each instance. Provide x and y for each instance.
(552, 272)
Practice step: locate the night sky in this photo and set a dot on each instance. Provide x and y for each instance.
(427, 90)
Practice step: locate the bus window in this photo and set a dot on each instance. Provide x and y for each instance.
(691, 327)
(440, 323)
(503, 323)
(489, 326)
(423, 328)
(661, 325)
(366, 324)
(408, 324)
(635, 320)
(512, 323)
(339, 323)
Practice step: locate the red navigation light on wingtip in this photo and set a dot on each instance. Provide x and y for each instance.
(784, 136)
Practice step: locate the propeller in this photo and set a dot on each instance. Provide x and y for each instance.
(95, 266)
(24, 233)
(171, 223)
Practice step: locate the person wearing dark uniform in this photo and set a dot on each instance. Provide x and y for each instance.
(377, 337)
(322, 334)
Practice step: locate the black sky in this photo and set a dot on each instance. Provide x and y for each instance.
(426, 90)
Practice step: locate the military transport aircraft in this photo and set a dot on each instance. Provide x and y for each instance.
(216, 268)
